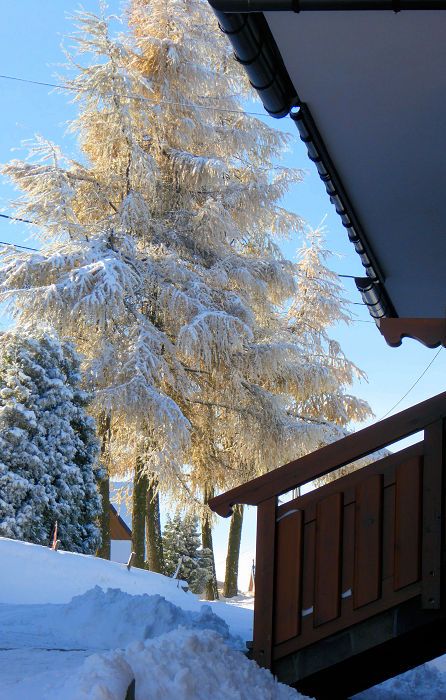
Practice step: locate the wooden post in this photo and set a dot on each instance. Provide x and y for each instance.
(433, 513)
(131, 560)
(264, 602)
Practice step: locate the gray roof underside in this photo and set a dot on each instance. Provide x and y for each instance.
(375, 83)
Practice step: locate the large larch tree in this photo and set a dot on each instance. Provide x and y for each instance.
(160, 258)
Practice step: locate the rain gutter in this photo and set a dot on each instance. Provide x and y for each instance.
(255, 48)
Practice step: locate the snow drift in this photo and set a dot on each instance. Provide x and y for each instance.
(183, 664)
(34, 574)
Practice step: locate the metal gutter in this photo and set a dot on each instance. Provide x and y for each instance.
(255, 48)
(372, 287)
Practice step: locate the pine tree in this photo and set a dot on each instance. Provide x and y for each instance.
(48, 446)
(160, 257)
(181, 541)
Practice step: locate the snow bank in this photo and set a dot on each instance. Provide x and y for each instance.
(175, 647)
(103, 620)
(180, 665)
(35, 574)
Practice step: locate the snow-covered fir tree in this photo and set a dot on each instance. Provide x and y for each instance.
(182, 548)
(160, 258)
(48, 445)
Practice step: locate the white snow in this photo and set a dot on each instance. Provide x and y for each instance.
(31, 573)
(74, 627)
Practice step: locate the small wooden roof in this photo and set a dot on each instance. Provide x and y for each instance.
(119, 530)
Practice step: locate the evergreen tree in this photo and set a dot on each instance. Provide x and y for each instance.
(48, 447)
(181, 545)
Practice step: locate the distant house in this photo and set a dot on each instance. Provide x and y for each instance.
(120, 535)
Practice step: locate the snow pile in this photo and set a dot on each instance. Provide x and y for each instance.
(103, 620)
(120, 618)
(181, 665)
(35, 574)
(172, 644)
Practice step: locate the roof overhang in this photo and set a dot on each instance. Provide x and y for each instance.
(367, 91)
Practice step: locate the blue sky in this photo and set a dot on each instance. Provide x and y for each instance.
(30, 37)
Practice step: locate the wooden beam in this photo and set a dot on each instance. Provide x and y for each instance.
(264, 582)
(433, 516)
(331, 457)
(431, 332)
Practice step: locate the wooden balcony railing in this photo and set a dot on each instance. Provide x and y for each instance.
(355, 547)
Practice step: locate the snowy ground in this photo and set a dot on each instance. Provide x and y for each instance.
(75, 627)
(80, 628)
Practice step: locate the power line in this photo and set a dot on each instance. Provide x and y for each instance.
(27, 221)
(16, 245)
(16, 218)
(414, 384)
(137, 97)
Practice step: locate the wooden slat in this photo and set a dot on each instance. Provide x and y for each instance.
(327, 593)
(348, 547)
(287, 589)
(368, 541)
(389, 532)
(263, 613)
(433, 485)
(407, 523)
(325, 460)
(309, 555)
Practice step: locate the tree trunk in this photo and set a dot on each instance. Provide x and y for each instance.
(232, 557)
(103, 551)
(154, 543)
(211, 590)
(140, 485)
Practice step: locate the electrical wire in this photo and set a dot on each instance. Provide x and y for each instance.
(16, 245)
(414, 384)
(138, 97)
(16, 218)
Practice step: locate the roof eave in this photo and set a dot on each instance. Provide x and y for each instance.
(255, 48)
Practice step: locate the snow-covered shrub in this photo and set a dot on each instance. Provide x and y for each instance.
(48, 445)
(181, 539)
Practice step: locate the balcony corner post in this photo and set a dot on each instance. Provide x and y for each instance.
(433, 540)
(264, 602)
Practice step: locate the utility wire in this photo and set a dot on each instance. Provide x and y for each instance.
(16, 218)
(414, 384)
(137, 97)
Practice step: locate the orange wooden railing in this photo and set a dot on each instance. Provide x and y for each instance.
(355, 547)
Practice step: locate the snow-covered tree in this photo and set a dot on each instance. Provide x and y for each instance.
(48, 445)
(160, 258)
(181, 544)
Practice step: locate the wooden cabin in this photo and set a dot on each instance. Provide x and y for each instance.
(351, 577)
